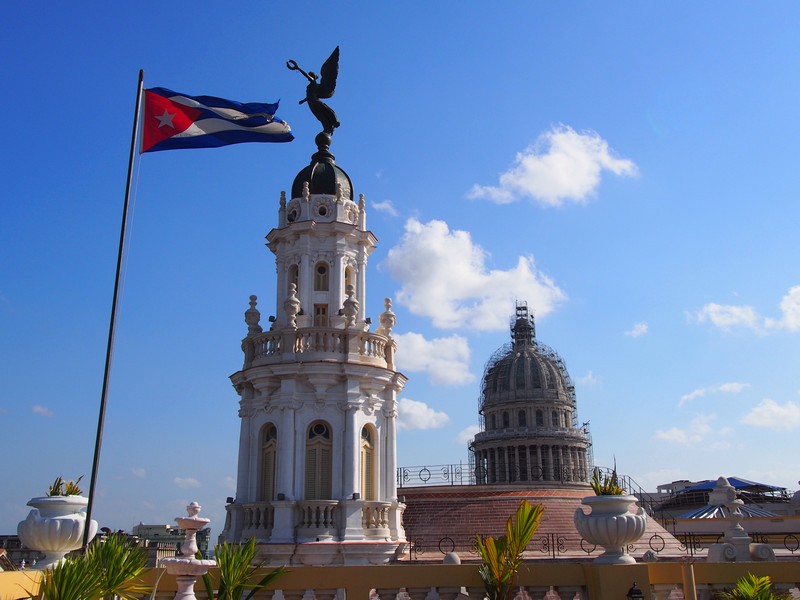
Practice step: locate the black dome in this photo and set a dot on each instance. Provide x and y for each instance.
(322, 178)
(322, 175)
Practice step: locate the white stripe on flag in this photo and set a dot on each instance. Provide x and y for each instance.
(211, 126)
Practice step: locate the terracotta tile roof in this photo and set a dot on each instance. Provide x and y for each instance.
(441, 519)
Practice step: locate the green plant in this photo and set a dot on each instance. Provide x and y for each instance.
(236, 569)
(752, 587)
(606, 485)
(65, 488)
(502, 557)
(110, 567)
(121, 564)
(71, 579)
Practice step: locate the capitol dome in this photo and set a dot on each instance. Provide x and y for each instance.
(529, 421)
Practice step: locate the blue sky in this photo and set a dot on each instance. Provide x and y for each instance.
(630, 170)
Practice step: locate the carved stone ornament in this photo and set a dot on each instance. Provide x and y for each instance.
(292, 306)
(252, 317)
(350, 307)
(387, 319)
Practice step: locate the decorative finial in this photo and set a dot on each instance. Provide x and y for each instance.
(339, 194)
(306, 191)
(387, 319)
(361, 203)
(283, 199)
(292, 306)
(252, 316)
(350, 306)
(194, 507)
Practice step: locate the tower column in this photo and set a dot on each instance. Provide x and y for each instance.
(243, 472)
(305, 284)
(284, 481)
(337, 284)
(539, 460)
(361, 288)
(390, 426)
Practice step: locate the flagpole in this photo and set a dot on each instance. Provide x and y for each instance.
(110, 346)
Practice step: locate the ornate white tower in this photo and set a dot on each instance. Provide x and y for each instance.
(317, 453)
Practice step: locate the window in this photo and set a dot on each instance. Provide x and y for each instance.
(521, 418)
(367, 464)
(318, 462)
(506, 420)
(494, 421)
(556, 422)
(320, 315)
(539, 418)
(269, 450)
(321, 277)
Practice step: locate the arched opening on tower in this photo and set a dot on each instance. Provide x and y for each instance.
(367, 463)
(318, 464)
(269, 450)
(321, 277)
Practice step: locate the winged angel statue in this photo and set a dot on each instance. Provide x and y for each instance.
(316, 92)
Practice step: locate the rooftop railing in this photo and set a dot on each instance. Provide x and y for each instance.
(317, 343)
(537, 580)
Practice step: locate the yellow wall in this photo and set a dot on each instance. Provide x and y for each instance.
(600, 582)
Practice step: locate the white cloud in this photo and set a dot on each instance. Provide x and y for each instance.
(588, 379)
(697, 431)
(638, 330)
(790, 307)
(772, 415)
(562, 165)
(728, 316)
(733, 387)
(412, 414)
(138, 472)
(187, 482)
(445, 360)
(386, 206)
(38, 409)
(465, 435)
(444, 277)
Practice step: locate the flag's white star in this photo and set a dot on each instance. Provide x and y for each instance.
(166, 119)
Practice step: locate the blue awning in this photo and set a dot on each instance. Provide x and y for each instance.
(738, 483)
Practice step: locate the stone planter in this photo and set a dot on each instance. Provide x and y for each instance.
(611, 526)
(55, 526)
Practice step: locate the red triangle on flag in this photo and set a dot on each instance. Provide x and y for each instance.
(164, 118)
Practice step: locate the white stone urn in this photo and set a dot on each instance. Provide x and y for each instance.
(55, 526)
(612, 526)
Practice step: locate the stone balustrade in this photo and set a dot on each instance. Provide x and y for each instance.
(317, 343)
(318, 519)
(315, 520)
(538, 580)
(375, 519)
(259, 518)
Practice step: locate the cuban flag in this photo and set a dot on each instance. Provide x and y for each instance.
(173, 121)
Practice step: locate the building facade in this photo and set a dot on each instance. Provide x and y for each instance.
(318, 390)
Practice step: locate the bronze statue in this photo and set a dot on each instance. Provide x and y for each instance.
(315, 92)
